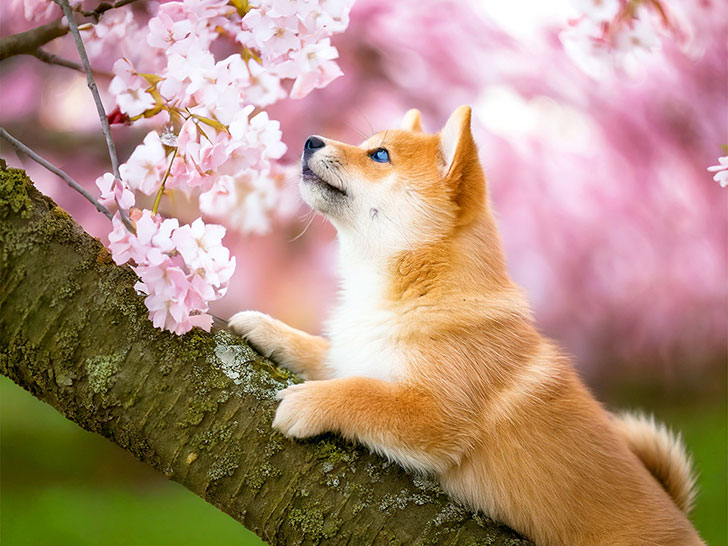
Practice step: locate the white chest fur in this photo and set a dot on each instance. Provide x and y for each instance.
(363, 333)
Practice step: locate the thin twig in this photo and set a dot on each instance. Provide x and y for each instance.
(68, 12)
(49, 58)
(55, 170)
(158, 198)
(101, 8)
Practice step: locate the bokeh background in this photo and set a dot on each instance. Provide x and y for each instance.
(610, 221)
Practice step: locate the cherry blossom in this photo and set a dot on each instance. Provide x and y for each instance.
(173, 36)
(721, 171)
(129, 89)
(613, 35)
(143, 171)
(181, 268)
(112, 190)
(200, 71)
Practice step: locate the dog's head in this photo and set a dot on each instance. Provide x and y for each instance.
(399, 189)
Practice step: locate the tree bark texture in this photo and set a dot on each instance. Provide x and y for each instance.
(199, 407)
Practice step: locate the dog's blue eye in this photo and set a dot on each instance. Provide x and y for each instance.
(380, 155)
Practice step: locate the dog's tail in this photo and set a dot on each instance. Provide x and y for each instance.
(664, 455)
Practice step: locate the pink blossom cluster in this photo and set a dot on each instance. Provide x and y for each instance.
(216, 143)
(226, 148)
(182, 268)
(619, 35)
(201, 71)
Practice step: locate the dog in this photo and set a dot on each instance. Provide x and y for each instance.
(432, 358)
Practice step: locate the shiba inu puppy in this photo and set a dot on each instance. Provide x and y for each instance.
(432, 358)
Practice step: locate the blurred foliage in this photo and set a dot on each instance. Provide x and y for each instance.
(60, 485)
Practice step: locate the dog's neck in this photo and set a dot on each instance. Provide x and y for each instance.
(469, 261)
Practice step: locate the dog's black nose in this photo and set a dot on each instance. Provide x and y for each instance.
(313, 143)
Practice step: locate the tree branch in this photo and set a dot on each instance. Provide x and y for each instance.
(50, 58)
(198, 408)
(91, 82)
(29, 41)
(55, 170)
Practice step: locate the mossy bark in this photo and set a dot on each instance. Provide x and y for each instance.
(198, 408)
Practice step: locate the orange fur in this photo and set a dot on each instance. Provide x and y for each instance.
(434, 360)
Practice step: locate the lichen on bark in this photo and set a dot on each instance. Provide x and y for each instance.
(197, 407)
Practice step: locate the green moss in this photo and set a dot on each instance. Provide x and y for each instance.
(219, 433)
(196, 410)
(67, 290)
(226, 464)
(313, 524)
(64, 378)
(66, 344)
(101, 372)
(53, 225)
(259, 475)
(334, 454)
(402, 499)
(206, 379)
(197, 344)
(14, 196)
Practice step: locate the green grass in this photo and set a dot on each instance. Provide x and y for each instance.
(114, 515)
(705, 432)
(60, 485)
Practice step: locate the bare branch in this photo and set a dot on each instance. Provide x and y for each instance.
(103, 7)
(30, 40)
(91, 82)
(49, 58)
(55, 170)
(68, 12)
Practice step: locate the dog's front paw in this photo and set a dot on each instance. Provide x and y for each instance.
(257, 328)
(299, 414)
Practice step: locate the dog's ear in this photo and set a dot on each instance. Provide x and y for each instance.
(412, 121)
(462, 166)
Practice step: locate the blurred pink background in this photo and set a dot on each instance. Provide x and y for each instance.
(610, 220)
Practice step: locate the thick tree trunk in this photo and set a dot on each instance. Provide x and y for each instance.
(198, 408)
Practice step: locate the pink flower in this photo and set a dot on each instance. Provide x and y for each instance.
(265, 87)
(165, 33)
(322, 76)
(266, 133)
(121, 240)
(112, 190)
(312, 66)
(201, 248)
(181, 268)
(145, 167)
(129, 89)
(721, 171)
